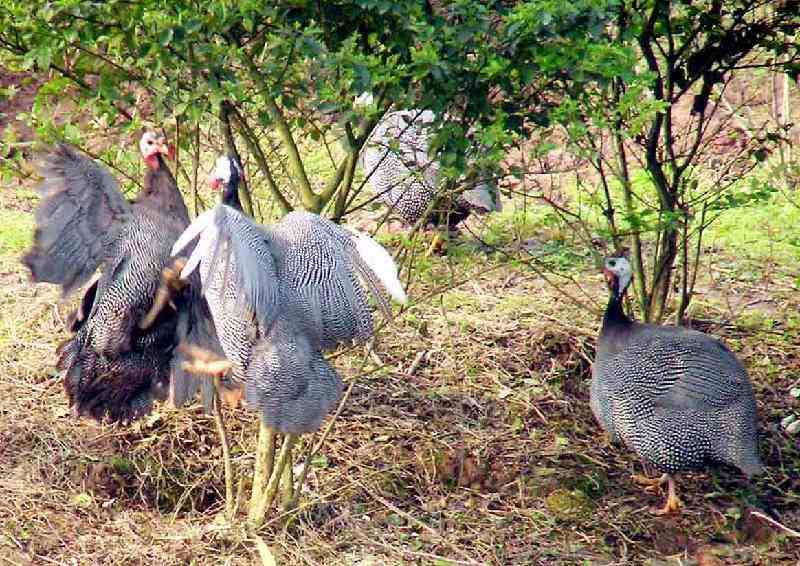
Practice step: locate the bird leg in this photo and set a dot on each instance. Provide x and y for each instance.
(673, 504)
(654, 485)
(257, 512)
(203, 361)
(437, 245)
(265, 459)
(171, 284)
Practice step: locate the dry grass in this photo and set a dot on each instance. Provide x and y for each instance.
(485, 453)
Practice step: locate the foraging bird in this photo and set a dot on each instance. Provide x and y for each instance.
(677, 397)
(120, 357)
(280, 296)
(397, 161)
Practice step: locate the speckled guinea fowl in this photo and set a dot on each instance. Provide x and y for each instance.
(406, 178)
(115, 364)
(282, 294)
(677, 397)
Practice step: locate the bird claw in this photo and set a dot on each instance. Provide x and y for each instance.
(672, 505)
(651, 484)
(655, 486)
(171, 283)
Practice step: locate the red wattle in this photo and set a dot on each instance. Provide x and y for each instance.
(152, 161)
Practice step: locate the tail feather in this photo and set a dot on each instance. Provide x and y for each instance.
(122, 386)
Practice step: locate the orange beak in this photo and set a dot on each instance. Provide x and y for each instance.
(214, 182)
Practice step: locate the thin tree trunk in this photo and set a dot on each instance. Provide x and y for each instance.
(639, 278)
(254, 147)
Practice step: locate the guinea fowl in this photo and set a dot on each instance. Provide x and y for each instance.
(120, 356)
(396, 159)
(280, 296)
(677, 397)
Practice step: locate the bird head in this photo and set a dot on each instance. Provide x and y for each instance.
(152, 145)
(617, 271)
(227, 174)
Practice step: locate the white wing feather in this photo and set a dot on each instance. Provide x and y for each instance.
(381, 263)
(200, 223)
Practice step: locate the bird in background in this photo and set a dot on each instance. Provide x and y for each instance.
(280, 296)
(120, 356)
(406, 178)
(677, 397)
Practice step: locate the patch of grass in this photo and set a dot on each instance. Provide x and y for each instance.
(16, 231)
(760, 232)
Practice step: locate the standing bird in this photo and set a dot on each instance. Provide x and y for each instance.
(677, 397)
(280, 296)
(120, 357)
(397, 161)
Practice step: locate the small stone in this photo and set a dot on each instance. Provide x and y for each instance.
(786, 421)
(793, 428)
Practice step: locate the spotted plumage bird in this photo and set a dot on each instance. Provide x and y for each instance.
(406, 178)
(280, 296)
(121, 355)
(677, 397)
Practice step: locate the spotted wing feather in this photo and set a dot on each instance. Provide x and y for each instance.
(79, 218)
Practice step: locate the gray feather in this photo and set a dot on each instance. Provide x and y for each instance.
(279, 296)
(80, 217)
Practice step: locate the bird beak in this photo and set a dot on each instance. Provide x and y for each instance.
(167, 149)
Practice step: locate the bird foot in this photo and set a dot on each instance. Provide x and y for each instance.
(231, 396)
(672, 505)
(171, 283)
(438, 246)
(204, 361)
(652, 485)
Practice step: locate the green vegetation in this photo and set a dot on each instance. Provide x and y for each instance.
(16, 231)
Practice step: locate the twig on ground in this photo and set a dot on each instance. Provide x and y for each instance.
(773, 522)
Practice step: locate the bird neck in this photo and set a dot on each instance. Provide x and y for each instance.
(615, 314)
(161, 193)
(230, 196)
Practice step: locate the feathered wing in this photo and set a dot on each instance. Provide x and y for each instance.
(411, 129)
(237, 249)
(326, 274)
(79, 218)
(397, 162)
(301, 281)
(701, 374)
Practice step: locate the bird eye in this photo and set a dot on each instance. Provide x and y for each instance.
(612, 263)
(149, 142)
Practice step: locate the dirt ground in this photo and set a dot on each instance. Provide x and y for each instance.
(485, 453)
